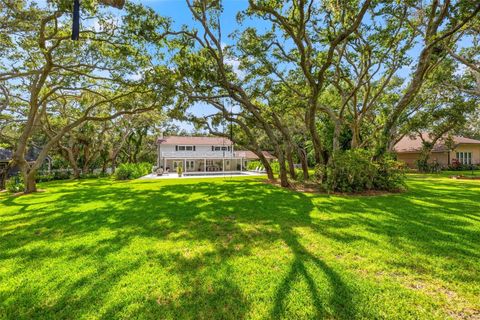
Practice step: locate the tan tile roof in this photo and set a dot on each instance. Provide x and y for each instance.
(414, 143)
(249, 155)
(188, 140)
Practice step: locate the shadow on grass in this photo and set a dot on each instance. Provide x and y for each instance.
(215, 214)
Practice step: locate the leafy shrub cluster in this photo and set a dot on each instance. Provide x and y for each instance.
(15, 184)
(457, 166)
(127, 171)
(92, 175)
(354, 171)
(424, 166)
(56, 175)
(252, 165)
(275, 167)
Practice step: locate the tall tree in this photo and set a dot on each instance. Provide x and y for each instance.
(95, 79)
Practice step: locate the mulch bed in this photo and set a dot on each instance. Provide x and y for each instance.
(465, 177)
(314, 188)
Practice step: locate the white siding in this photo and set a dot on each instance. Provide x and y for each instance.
(168, 150)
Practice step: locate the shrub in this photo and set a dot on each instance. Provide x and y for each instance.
(275, 167)
(179, 171)
(252, 165)
(93, 175)
(390, 175)
(457, 166)
(424, 166)
(45, 177)
(15, 184)
(61, 175)
(299, 175)
(354, 171)
(127, 171)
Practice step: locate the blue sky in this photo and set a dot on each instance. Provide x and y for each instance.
(178, 11)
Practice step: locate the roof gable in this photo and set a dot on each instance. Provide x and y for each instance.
(414, 143)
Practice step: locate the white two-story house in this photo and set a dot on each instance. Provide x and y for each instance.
(198, 154)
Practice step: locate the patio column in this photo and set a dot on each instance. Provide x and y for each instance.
(205, 165)
(184, 164)
(223, 164)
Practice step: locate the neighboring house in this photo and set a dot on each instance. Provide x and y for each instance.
(30, 156)
(464, 150)
(201, 154)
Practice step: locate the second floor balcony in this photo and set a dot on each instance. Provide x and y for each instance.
(197, 154)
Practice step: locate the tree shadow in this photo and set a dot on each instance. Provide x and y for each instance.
(232, 218)
(187, 234)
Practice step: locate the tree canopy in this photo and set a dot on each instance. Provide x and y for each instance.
(317, 80)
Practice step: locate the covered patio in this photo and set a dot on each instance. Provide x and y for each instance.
(203, 164)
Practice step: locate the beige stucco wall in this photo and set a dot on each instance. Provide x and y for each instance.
(473, 148)
(442, 157)
(408, 158)
(411, 158)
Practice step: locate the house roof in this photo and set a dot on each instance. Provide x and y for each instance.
(188, 140)
(414, 143)
(5, 154)
(249, 155)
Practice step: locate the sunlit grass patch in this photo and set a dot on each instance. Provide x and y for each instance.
(238, 248)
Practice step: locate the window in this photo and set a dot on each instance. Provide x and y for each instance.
(209, 162)
(185, 148)
(464, 157)
(190, 165)
(221, 148)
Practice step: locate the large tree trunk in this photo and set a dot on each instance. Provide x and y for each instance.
(30, 183)
(73, 163)
(266, 164)
(3, 177)
(336, 135)
(302, 155)
(76, 172)
(283, 169)
(289, 155)
(316, 143)
(355, 136)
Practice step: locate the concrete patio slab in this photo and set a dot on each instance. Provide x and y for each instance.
(203, 175)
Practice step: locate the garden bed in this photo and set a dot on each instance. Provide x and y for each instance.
(315, 189)
(462, 177)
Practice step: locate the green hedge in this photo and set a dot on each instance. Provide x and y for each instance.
(127, 171)
(252, 165)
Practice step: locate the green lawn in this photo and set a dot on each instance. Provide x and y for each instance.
(239, 248)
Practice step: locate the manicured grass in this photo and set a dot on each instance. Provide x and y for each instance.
(239, 248)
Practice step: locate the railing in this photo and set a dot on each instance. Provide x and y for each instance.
(197, 154)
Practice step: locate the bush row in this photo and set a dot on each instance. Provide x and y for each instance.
(127, 171)
(65, 175)
(433, 167)
(253, 165)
